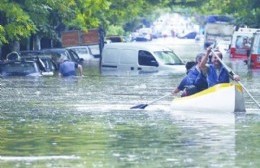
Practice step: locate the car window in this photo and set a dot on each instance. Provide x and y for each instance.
(73, 55)
(168, 58)
(46, 64)
(146, 58)
(94, 49)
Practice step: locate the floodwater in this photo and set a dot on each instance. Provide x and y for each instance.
(87, 122)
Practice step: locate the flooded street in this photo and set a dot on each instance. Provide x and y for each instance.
(87, 122)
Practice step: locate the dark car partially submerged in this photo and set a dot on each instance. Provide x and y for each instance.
(36, 63)
(27, 63)
(19, 68)
(45, 61)
(57, 53)
(190, 35)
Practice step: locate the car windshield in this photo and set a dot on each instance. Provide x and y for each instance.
(168, 58)
(57, 56)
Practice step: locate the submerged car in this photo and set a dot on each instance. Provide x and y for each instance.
(45, 62)
(84, 52)
(190, 35)
(140, 58)
(42, 61)
(19, 68)
(57, 53)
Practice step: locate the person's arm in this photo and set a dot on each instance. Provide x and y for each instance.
(204, 60)
(180, 86)
(60, 70)
(175, 91)
(80, 70)
(234, 76)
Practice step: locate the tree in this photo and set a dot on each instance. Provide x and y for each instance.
(243, 11)
(15, 23)
(2, 37)
(22, 19)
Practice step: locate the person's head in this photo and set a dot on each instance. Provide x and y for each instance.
(199, 57)
(215, 56)
(189, 65)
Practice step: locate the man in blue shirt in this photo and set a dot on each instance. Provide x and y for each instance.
(194, 81)
(216, 73)
(68, 68)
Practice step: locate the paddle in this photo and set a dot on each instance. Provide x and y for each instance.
(142, 106)
(232, 74)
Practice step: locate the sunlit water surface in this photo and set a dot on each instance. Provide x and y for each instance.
(87, 122)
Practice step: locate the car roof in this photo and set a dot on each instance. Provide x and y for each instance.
(18, 61)
(33, 54)
(72, 47)
(138, 46)
(55, 50)
(30, 52)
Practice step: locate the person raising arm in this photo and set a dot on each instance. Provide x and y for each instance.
(216, 72)
(194, 81)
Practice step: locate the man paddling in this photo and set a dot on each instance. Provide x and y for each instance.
(216, 72)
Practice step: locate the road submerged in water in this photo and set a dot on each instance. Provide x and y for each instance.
(87, 122)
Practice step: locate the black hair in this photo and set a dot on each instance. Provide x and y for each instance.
(189, 65)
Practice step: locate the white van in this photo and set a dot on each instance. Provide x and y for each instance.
(140, 58)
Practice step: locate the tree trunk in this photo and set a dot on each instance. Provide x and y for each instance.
(52, 43)
(28, 43)
(37, 42)
(1, 53)
(15, 46)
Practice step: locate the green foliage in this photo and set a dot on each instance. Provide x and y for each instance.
(86, 14)
(2, 37)
(244, 11)
(115, 30)
(18, 22)
(46, 18)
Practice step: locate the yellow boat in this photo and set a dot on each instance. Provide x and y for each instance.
(225, 97)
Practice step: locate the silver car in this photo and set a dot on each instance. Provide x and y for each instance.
(84, 52)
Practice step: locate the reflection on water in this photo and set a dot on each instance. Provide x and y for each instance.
(87, 122)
